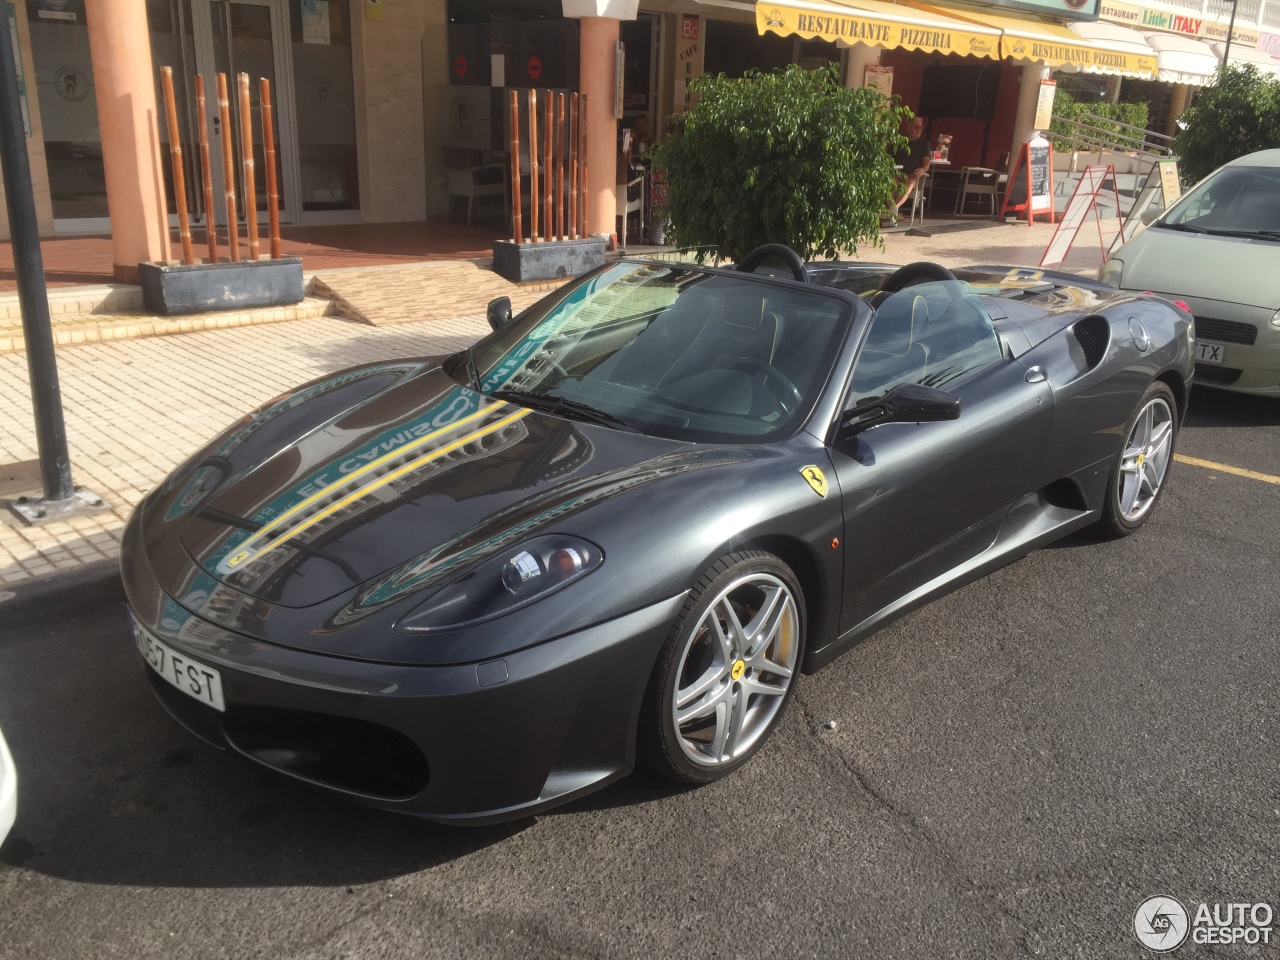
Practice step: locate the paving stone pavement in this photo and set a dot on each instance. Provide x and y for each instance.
(136, 408)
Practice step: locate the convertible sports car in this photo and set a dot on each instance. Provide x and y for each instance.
(623, 524)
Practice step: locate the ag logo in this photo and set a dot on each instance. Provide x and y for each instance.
(1160, 924)
(816, 479)
(72, 83)
(774, 19)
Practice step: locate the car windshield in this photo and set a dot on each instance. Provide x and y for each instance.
(1235, 200)
(670, 350)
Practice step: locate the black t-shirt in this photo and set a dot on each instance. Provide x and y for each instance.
(912, 159)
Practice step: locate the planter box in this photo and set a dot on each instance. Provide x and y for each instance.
(221, 286)
(550, 260)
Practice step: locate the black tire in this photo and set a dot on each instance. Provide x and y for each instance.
(752, 577)
(1116, 520)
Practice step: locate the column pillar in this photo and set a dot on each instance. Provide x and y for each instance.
(1177, 104)
(857, 58)
(120, 45)
(1025, 118)
(598, 28)
(598, 37)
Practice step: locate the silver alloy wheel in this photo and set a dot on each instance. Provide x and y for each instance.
(736, 669)
(1145, 460)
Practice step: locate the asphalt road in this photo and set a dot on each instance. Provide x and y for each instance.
(1011, 771)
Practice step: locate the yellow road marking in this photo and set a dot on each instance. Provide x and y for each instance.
(1238, 471)
(349, 478)
(388, 478)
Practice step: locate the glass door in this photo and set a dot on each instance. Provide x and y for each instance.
(248, 36)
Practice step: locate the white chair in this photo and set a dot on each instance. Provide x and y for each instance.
(978, 182)
(471, 179)
(918, 197)
(627, 207)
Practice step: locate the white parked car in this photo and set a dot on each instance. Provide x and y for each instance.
(1218, 249)
(8, 789)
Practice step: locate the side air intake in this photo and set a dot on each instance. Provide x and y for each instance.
(1093, 333)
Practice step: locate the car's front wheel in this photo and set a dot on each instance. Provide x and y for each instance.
(726, 671)
(1138, 477)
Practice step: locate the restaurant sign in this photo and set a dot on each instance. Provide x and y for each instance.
(889, 29)
(1187, 24)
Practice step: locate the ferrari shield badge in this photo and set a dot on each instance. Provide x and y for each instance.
(816, 478)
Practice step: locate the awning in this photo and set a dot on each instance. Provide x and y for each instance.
(878, 24)
(1056, 46)
(1114, 37)
(1242, 54)
(1182, 60)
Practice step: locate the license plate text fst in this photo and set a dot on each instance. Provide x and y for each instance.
(193, 678)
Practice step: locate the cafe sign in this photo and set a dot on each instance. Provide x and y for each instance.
(1189, 25)
(879, 25)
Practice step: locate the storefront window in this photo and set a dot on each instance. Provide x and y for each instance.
(172, 45)
(68, 108)
(735, 48)
(320, 31)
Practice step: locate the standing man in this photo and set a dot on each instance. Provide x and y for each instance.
(915, 159)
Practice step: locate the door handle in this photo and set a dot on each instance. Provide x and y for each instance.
(1036, 375)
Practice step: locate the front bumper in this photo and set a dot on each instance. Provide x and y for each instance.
(470, 742)
(1249, 346)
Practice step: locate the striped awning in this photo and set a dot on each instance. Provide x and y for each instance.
(1056, 46)
(878, 24)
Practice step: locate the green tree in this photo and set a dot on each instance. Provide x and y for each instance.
(1238, 113)
(786, 157)
(1066, 107)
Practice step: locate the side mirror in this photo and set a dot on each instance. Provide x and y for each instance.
(1150, 214)
(499, 312)
(905, 403)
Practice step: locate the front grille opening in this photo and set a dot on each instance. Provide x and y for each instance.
(1093, 334)
(335, 751)
(1208, 373)
(1226, 331)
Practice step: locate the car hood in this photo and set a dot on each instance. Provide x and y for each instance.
(415, 466)
(1232, 269)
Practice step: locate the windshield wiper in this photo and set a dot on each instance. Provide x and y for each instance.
(570, 409)
(1187, 227)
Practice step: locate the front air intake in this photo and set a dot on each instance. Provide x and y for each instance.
(1093, 333)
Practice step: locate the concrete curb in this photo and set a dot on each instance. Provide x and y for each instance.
(92, 585)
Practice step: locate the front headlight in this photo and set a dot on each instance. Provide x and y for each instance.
(1275, 319)
(1111, 272)
(505, 582)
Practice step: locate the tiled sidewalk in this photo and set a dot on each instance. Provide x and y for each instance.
(136, 408)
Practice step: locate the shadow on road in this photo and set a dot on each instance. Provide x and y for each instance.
(1213, 408)
(112, 791)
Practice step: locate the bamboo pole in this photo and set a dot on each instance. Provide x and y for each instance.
(175, 156)
(228, 168)
(548, 158)
(206, 175)
(582, 156)
(533, 166)
(246, 161)
(573, 166)
(269, 158)
(517, 227)
(561, 233)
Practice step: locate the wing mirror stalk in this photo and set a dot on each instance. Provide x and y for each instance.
(499, 312)
(905, 403)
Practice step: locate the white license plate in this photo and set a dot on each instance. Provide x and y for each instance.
(190, 676)
(1211, 352)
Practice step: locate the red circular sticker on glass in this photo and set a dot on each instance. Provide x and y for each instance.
(460, 66)
(535, 68)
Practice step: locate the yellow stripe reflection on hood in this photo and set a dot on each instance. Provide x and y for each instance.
(243, 554)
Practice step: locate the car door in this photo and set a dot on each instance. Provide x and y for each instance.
(919, 499)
